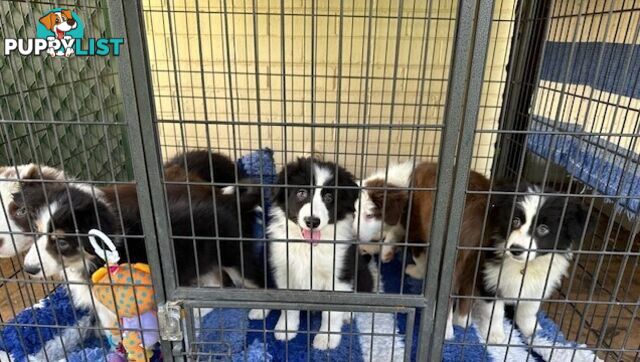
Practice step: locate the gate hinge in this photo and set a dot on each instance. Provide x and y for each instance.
(169, 321)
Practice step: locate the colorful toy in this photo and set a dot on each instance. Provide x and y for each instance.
(127, 291)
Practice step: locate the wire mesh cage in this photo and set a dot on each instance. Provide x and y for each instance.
(66, 115)
(304, 180)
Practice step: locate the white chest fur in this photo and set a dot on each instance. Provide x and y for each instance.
(541, 277)
(301, 265)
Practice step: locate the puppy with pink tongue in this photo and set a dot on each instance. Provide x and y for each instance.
(313, 236)
(312, 242)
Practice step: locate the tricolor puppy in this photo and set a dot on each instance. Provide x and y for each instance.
(382, 215)
(310, 211)
(64, 250)
(59, 22)
(17, 219)
(533, 242)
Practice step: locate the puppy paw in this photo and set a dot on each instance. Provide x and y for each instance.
(282, 333)
(258, 314)
(413, 271)
(387, 257)
(496, 336)
(285, 336)
(528, 328)
(461, 320)
(324, 341)
(448, 333)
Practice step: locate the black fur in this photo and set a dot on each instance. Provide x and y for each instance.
(300, 173)
(199, 162)
(364, 282)
(199, 222)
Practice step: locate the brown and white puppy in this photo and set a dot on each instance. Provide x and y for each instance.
(17, 223)
(388, 223)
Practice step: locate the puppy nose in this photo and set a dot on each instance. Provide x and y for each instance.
(312, 221)
(32, 269)
(516, 250)
(71, 22)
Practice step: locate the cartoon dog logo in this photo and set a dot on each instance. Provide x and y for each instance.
(60, 22)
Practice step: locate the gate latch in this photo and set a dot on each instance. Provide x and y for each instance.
(169, 321)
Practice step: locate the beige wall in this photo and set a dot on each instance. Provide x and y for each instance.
(191, 78)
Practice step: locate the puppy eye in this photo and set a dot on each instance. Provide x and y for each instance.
(327, 198)
(57, 20)
(369, 216)
(542, 230)
(516, 223)
(63, 244)
(302, 194)
(21, 211)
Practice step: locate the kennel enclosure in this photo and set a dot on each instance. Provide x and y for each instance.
(543, 91)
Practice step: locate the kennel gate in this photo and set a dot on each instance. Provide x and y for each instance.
(133, 143)
(473, 22)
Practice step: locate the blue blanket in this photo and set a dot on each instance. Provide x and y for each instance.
(229, 333)
(601, 165)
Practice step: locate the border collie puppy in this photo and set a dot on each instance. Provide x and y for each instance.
(534, 237)
(309, 212)
(371, 223)
(65, 249)
(17, 221)
(61, 249)
(378, 220)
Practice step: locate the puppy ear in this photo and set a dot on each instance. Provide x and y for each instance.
(396, 201)
(500, 200)
(67, 14)
(279, 192)
(350, 193)
(576, 220)
(34, 191)
(48, 20)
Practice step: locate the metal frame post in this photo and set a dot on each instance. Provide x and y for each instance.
(135, 84)
(462, 105)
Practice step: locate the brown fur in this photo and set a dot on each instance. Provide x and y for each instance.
(425, 176)
(396, 200)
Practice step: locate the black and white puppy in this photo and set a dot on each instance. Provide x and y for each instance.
(311, 211)
(74, 209)
(62, 248)
(17, 219)
(532, 255)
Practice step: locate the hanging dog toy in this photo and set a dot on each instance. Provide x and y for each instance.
(127, 291)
